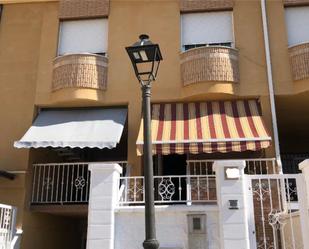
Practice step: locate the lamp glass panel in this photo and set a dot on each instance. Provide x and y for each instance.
(136, 55)
(144, 69)
(143, 55)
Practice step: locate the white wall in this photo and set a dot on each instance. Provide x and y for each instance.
(233, 222)
(292, 223)
(297, 23)
(103, 195)
(171, 226)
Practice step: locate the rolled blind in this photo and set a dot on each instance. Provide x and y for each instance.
(208, 27)
(297, 22)
(83, 36)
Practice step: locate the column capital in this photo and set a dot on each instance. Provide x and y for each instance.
(101, 166)
(220, 164)
(304, 165)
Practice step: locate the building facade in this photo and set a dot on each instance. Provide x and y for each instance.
(231, 93)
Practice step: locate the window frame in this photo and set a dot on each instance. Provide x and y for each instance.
(197, 45)
(291, 42)
(60, 30)
(1, 10)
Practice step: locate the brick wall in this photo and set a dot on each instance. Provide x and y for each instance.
(76, 9)
(295, 2)
(205, 5)
(80, 71)
(209, 64)
(299, 60)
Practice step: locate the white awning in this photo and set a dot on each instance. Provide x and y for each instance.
(93, 128)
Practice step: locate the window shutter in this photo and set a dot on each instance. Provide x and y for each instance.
(83, 36)
(297, 22)
(208, 27)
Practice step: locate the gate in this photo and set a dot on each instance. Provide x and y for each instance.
(277, 212)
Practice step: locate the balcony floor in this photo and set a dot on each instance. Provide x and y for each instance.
(65, 210)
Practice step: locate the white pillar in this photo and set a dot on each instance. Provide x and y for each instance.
(304, 167)
(233, 223)
(103, 194)
(304, 201)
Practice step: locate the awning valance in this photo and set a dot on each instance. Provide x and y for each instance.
(93, 128)
(206, 127)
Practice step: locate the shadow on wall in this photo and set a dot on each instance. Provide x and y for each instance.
(47, 231)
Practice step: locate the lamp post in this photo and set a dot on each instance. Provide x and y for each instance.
(145, 57)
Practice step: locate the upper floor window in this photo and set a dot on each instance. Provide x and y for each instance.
(206, 29)
(1, 8)
(297, 22)
(83, 36)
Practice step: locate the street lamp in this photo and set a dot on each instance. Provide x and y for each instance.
(145, 57)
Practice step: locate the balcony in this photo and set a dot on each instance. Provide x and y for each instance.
(197, 188)
(299, 60)
(56, 186)
(209, 64)
(64, 187)
(170, 189)
(8, 216)
(80, 71)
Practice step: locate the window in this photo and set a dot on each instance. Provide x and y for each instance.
(197, 223)
(297, 22)
(1, 9)
(83, 36)
(206, 29)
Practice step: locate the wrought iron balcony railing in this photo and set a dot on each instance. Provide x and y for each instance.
(256, 166)
(170, 189)
(62, 183)
(68, 183)
(7, 225)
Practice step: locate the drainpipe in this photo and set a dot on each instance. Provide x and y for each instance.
(271, 85)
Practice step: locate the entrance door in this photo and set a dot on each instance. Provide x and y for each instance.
(174, 165)
(171, 179)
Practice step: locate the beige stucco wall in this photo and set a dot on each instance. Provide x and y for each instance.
(161, 20)
(291, 95)
(29, 34)
(282, 75)
(28, 45)
(20, 37)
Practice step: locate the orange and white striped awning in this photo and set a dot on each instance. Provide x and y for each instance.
(206, 127)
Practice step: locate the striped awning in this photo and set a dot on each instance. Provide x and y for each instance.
(206, 127)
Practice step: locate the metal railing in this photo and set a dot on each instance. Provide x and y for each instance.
(200, 167)
(259, 166)
(62, 183)
(170, 189)
(68, 183)
(7, 225)
(278, 204)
